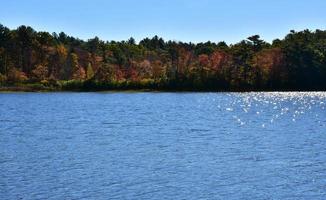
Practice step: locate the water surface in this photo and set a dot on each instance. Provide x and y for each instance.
(163, 145)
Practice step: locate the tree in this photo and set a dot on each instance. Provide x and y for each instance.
(26, 40)
(270, 71)
(3, 79)
(16, 76)
(131, 41)
(58, 62)
(89, 71)
(105, 73)
(77, 72)
(40, 73)
(5, 40)
(158, 70)
(145, 69)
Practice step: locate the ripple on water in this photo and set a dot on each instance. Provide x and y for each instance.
(163, 145)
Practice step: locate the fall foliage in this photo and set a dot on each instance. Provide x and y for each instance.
(297, 62)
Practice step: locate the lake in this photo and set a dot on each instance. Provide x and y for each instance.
(120, 145)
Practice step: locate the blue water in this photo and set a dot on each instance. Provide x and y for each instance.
(163, 145)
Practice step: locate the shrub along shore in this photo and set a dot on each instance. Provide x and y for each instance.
(150, 86)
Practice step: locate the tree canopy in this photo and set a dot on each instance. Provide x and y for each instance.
(297, 62)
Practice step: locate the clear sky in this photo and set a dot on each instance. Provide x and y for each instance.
(184, 20)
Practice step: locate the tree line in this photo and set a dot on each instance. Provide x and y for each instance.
(59, 61)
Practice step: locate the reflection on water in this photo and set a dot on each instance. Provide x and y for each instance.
(163, 145)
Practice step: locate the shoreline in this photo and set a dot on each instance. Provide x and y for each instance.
(13, 89)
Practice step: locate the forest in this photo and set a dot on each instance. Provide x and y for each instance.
(32, 60)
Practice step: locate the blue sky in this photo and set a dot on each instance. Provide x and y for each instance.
(183, 20)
